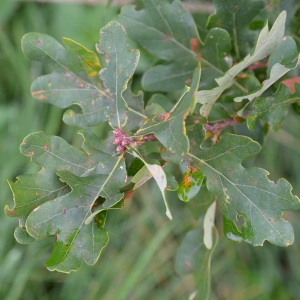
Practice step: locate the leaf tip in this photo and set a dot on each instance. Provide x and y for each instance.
(9, 212)
(169, 215)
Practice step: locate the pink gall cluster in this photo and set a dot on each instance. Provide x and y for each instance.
(121, 140)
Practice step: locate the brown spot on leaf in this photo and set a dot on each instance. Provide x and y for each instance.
(194, 44)
(129, 195)
(166, 38)
(39, 94)
(42, 97)
(46, 147)
(187, 265)
(71, 114)
(39, 43)
(184, 6)
(165, 116)
(187, 81)
(31, 153)
(186, 182)
(81, 85)
(271, 220)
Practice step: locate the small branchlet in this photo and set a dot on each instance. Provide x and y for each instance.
(216, 127)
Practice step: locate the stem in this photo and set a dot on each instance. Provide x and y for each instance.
(217, 127)
(149, 138)
(212, 127)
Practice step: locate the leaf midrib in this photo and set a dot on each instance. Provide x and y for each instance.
(233, 184)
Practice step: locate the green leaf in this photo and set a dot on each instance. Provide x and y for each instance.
(164, 78)
(193, 256)
(273, 108)
(168, 31)
(162, 100)
(32, 190)
(159, 176)
(281, 61)
(286, 54)
(245, 193)
(74, 79)
(190, 184)
(213, 55)
(22, 236)
(64, 217)
(267, 42)
(235, 17)
(53, 154)
(76, 218)
(160, 28)
(121, 64)
(160, 31)
(170, 128)
(136, 113)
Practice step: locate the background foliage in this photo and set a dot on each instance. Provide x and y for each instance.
(140, 256)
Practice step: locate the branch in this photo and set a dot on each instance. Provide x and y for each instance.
(217, 127)
(122, 140)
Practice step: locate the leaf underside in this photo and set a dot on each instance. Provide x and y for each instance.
(268, 41)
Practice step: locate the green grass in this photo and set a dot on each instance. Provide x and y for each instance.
(138, 262)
